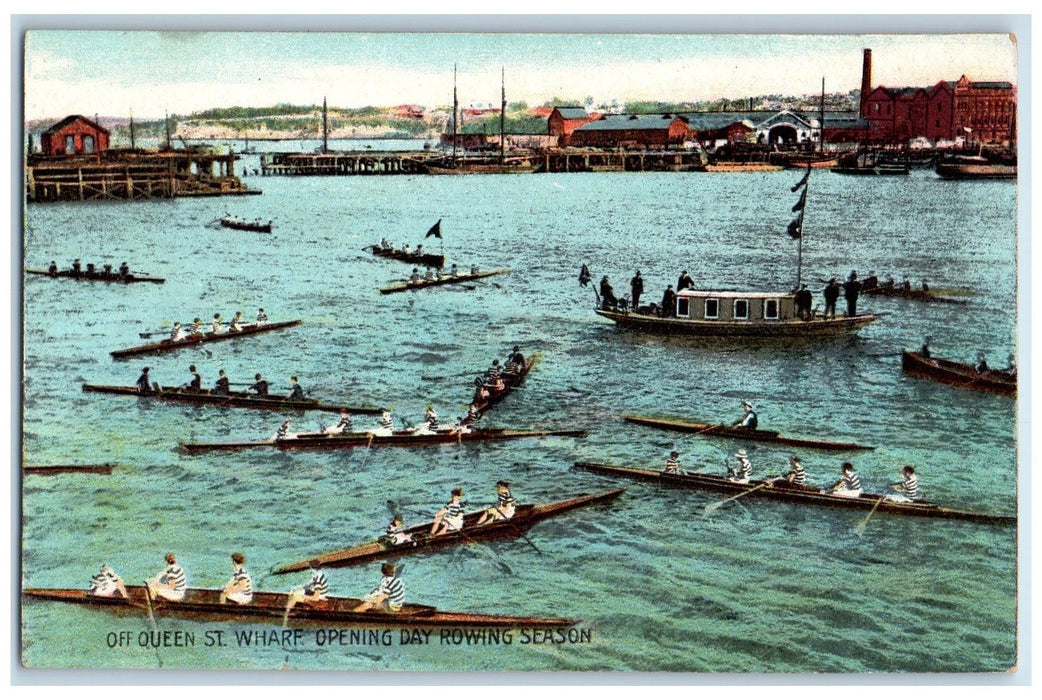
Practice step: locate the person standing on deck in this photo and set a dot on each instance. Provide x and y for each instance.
(296, 393)
(222, 387)
(315, 590)
(239, 588)
(608, 299)
(849, 484)
(171, 583)
(389, 593)
(743, 469)
(144, 383)
(748, 419)
(195, 384)
(672, 463)
(506, 505)
(107, 583)
(261, 317)
(831, 294)
(908, 488)
(669, 303)
(636, 289)
(260, 387)
(451, 516)
(685, 282)
(851, 288)
(216, 327)
(804, 302)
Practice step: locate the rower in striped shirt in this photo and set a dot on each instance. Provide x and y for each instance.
(907, 488)
(386, 424)
(506, 505)
(283, 432)
(171, 583)
(395, 532)
(216, 327)
(494, 371)
(451, 516)
(177, 333)
(315, 590)
(261, 317)
(197, 327)
(743, 469)
(430, 417)
(344, 426)
(240, 586)
(849, 484)
(672, 463)
(107, 583)
(389, 593)
(796, 476)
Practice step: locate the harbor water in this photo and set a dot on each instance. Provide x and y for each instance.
(656, 581)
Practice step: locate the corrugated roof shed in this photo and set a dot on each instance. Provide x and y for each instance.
(573, 112)
(630, 121)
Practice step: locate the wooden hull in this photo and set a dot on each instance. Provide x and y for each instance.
(525, 517)
(204, 604)
(711, 430)
(425, 259)
(168, 345)
(510, 382)
(958, 374)
(319, 441)
(237, 399)
(973, 171)
(791, 329)
(246, 226)
(68, 469)
(737, 167)
(111, 278)
(457, 279)
(872, 170)
(803, 496)
(913, 294)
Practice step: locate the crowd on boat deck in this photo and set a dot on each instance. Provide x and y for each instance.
(76, 268)
(171, 585)
(222, 387)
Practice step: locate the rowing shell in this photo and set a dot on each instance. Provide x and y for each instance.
(450, 279)
(204, 604)
(791, 494)
(192, 340)
(68, 469)
(399, 438)
(421, 541)
(913, 294)
(112, 277)
(709, 429)
(510, 382)
(958, 374)
(235, 399)
(425, 259)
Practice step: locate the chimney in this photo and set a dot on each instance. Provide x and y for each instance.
(866, 78)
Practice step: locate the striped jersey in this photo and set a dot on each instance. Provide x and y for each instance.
(851, 482)
(506, 500)
(318, 583)
(672, 466)
(743, 470)
(262, 317)
(394, 589)
(386, 421)
(282, 432)
(799, 475)
(241, 578)
(345, 423)
(175, 576)
(104, 582)
(453, 509)
(432, 420)
(494, 371)
(910, 486)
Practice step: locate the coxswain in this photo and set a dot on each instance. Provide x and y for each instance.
(982, 364)
(260, 387)
(395, 532)
(196, 382)
(236, 324)
(107, 583)
(177, 334)
(344, 426)
(296, 393)
(796, 475)
(239, 588)
(124, 269)
(216, 327)
(748, 419)
(908, 488)
(849, 484)
(430, 417)
(672, 463)
(52, 269)
(197, 327)
(451, 516)
(741, 471)
(261, 316)
(144, 384)
(506, 505)
(389, 593)
(415, 276)
(171, 583)
(222, 387)
(283, 432)
(315, 590)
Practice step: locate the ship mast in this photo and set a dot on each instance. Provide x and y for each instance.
(821, 120)
(325, 128)
(455, 108)
(502, 118)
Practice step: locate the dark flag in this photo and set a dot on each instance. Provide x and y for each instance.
(584, 275)
(435, 231)
(798, 206)
(796, 227)
(803, 180)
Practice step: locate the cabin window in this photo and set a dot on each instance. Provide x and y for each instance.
(741, 308)
(683, 307)
(88, 144)
(712, 308)
(770, 309)
(70, 144)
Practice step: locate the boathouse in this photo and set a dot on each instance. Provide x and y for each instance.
(632, 131)
(74, 136)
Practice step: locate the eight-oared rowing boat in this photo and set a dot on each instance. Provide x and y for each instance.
(269, 607)
(192, 340)
(913, 294)
(790, 494)
(443, 279)
(510, 381)
(958, 374)
(68, 469)
(235, 399)
(711, 430)
(524, 518)
(96, 276)
(425, 259)
(399, 438)
(244, 225)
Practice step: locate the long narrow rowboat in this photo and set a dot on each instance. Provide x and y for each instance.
(243, 225)
(399, 438)
(524, 518)
(444, 279)
(193, 340)
(711, 430)
(913, 294)
(267, 607)
(235, 399)
(425, 259)
(111, 277)
(511, 380)
(803, 496)
(47, 470)
(958, 374)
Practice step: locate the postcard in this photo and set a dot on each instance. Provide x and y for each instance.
(370, 351)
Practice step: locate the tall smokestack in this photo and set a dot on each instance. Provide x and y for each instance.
(866, 79)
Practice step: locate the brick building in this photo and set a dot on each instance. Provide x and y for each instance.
(74, 135)
(564, 120)
(632, 131)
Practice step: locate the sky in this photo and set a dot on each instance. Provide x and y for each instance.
(150, 73)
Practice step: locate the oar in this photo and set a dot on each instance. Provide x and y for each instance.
(151, 610)
(860, 527)
(713, 507)
(149, 334)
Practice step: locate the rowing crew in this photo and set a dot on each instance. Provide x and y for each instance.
(222, 387)
(171, 585)
(385, 426)
(493, 380)
(76, 269)
(433, 275)
(198, 328)
(848, 485)
(450, 517)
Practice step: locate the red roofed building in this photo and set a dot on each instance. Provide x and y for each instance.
(564, 120)
(74, 135)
